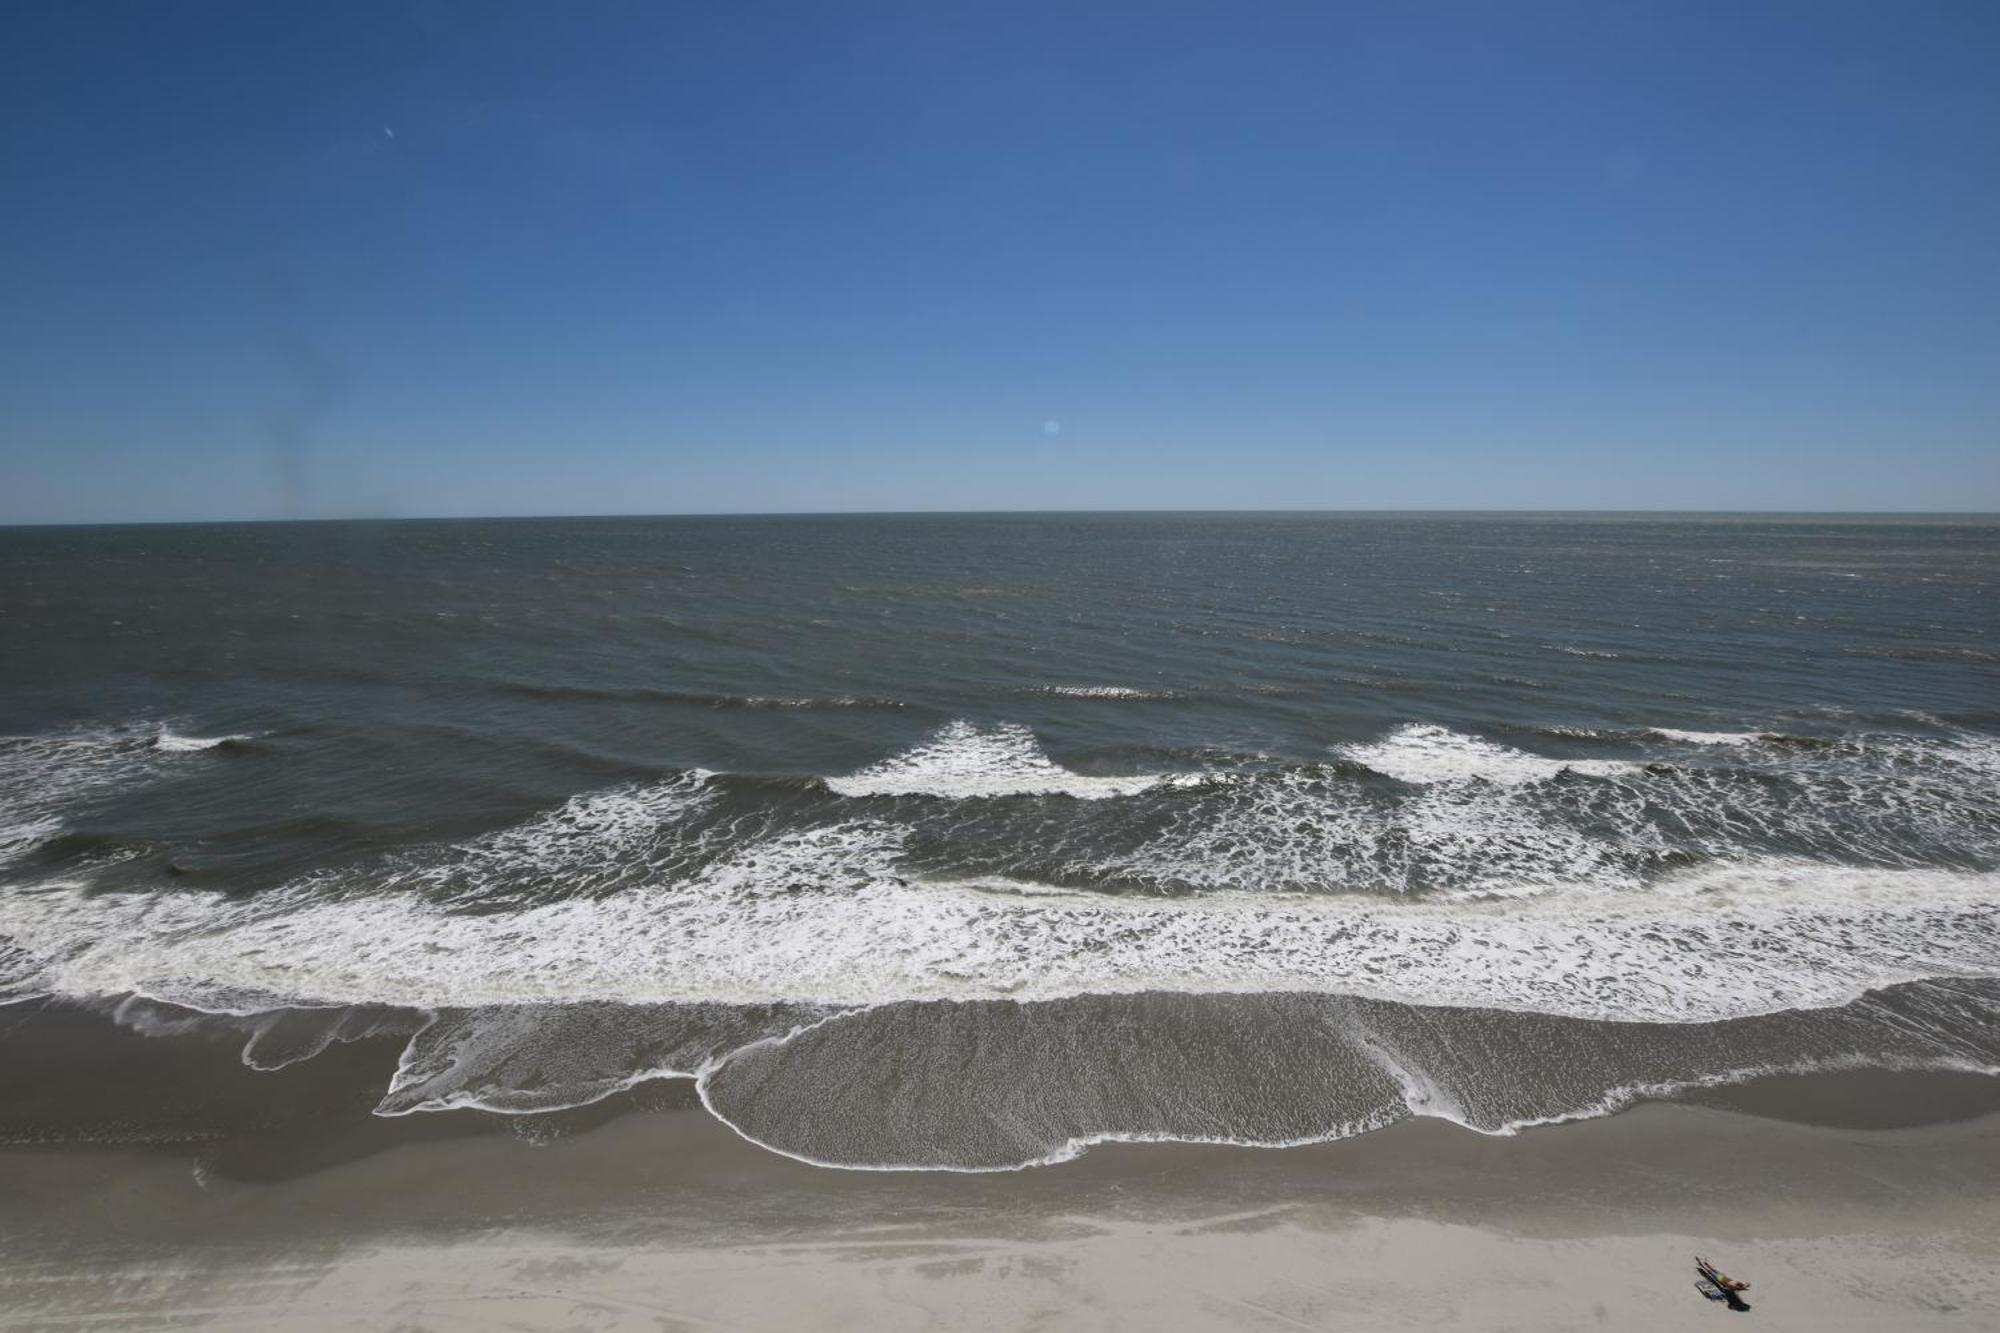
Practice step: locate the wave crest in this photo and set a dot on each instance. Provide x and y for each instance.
(172, 743)
(962, 762)
(1421, 753)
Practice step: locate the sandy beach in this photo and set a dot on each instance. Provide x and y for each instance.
(645, 1213)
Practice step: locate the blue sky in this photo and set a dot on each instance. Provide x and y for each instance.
(438, 258)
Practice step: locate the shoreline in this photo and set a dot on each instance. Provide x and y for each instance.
(647, 1213)
(72, 1068)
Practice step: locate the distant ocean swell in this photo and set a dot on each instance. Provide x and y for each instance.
(1429, 922)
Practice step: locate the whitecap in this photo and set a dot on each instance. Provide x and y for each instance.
(1422, 753)
(962, 761)
(1707, 737)
(174, 744)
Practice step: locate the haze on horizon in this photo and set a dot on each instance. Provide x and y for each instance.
(444, 258)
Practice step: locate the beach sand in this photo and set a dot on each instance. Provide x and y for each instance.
(645, 1213)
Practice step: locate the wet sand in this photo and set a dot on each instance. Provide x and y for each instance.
(645, 1213)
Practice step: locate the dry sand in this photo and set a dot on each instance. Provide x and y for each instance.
(664, 1220)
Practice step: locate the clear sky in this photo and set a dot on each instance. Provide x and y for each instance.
(293, 259)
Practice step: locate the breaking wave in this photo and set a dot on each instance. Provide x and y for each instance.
(962, 761)
(176, 744)
(1420, 753)
(1710, 737)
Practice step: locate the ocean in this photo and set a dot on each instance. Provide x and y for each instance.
(965, 842)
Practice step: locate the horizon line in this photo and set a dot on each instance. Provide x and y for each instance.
(604, 515)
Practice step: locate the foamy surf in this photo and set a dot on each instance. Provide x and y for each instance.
(1708, 737)
(965, 762)
(1525, 894)
(172, 743)
(1421, 753)
(827, 918)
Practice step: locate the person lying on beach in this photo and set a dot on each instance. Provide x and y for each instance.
(1718, 1286)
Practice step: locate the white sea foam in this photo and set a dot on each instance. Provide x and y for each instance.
(1421, 753)
(1871, 800)
(592, 843)
(826, 916)
(1974, 751)
(1707, 737)
(1525, 896)
(176, 744)
(597, 825)
(24, 832)
(962, 761)
(1307, 830)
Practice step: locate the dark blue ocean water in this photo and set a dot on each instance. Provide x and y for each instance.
(968, 840)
